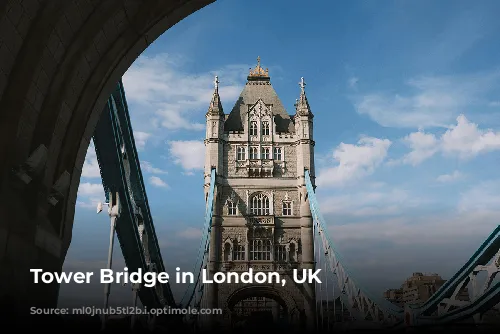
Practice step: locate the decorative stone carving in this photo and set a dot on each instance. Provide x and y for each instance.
(292, 234)
(261, 221)
(234, 233)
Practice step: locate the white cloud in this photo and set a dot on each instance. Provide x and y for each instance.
(449, 177)
(190, 154)
(369, 203)
(168, 96)
(141, 139)
(464, 140)
(149, 168)
(423, 145)
(354, 161)
(481, 197)
(89, 203)
(157, 182)
(190, 233)
(91, 166)
(423, 230)
(431, 102)
(89, 194)
(90, 189)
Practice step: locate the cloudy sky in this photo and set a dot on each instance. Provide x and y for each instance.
(407, 109)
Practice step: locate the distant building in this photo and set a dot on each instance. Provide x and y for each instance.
(395, 296)
(417, 289)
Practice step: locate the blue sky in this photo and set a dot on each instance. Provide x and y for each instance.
(407, 124)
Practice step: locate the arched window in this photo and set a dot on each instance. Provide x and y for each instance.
(227, 252)
(254, 153)
(265, 128)
(260, 249)
(266, 155)
(292, 257)
(238, 252)
(287, 208)
(231, 208)
(277, 153)
(253, 128)
(241, 153)
(260, 205)
(280, 253)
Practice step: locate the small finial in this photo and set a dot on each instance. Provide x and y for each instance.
(302, 84)
(258, 61)
(216, 83)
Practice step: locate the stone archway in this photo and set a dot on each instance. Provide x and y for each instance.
(285, 300)
(59, 62)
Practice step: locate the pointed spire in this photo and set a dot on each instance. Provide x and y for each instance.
(302, 105)
(215, 107)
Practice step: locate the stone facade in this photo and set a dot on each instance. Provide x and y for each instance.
(262, 218)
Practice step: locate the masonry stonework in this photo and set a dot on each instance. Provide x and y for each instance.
(262, 219)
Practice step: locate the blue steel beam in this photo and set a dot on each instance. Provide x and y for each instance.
(121, 173)
(482, 255)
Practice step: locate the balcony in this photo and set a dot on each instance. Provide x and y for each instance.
(257, 167)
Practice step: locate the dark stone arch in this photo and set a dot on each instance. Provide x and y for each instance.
(285, 300)
(53, 94)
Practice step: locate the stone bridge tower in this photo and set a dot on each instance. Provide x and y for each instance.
(261, 216)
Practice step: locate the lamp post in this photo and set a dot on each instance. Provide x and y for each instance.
(114, 212)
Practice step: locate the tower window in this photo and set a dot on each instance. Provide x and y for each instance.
(231, 208)
(254, 153)
(287, 208)
(280, 253)
(238, 252)
(277, 153)
(253, 128)
(265, 128)
(304, 130)
(260, 249)
(292, 256)
(227, 252)
(241, 153)
(265, 153)
(260, 205)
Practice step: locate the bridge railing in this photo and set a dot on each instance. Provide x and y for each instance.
(444, 305)
(362, 305)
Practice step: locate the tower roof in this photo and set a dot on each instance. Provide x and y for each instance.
(215, 107)
(302, 106)
(258, 86)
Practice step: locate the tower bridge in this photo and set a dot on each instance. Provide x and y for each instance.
(262, 215)
(60, 69)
